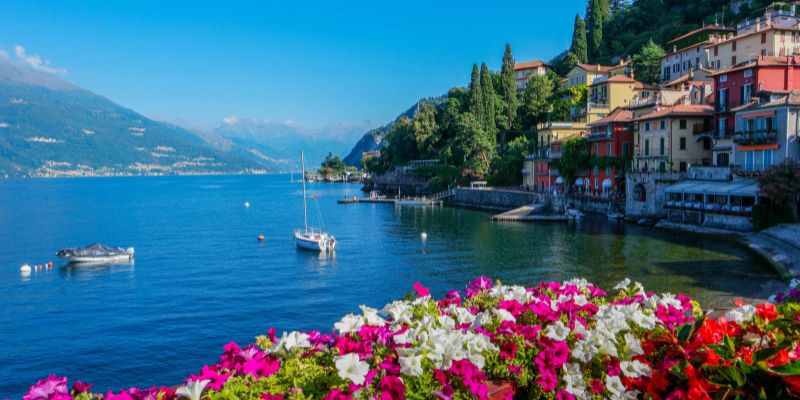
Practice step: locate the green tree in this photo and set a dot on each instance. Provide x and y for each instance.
(574, 157)
(508, 87)
(597, 14)
(647, 62)
(332, 165)
(617, 6)
(488, 96)
(472, 145)
(569, 61)
(425, 129)
(536, 99)
(781, 183)
(402, 143)
(507, 167)
(476, 102)
(578, 48)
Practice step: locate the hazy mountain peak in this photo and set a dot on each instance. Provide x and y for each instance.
(20, 72)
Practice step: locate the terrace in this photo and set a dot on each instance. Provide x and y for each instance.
(761, 136)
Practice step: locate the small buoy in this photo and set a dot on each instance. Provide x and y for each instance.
(261, 238)
(25, 269)
(246, 204)
(51, 264)
(423, 235)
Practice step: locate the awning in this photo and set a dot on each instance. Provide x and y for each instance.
(607, 183)
(559, 180)
(743, 187)
(579, 181)
(758, 114)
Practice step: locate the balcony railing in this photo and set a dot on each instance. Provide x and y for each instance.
(750, 170)
(599, 135)
(756, 137)
(724, 133)
(598, 104)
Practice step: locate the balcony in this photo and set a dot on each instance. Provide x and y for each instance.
(766, 136)
(604, 135)
(727, 106)
(725, 133)
(577, 111)
(702, 129)
(540, 154)
(749, 170)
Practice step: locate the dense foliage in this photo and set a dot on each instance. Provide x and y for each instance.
(562, 341)
(333, 165)
(781, 184)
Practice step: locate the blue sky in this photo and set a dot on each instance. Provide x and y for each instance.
(314, 63)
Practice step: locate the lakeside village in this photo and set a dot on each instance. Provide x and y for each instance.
(711, 145)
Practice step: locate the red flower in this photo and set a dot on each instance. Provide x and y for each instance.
(767, 312)
(779, 359)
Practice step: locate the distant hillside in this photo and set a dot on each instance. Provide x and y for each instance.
(49, 127)
(373, 139)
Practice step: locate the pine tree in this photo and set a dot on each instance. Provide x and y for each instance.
(508, 86)
(476, 102)
(578, 47)
(487, 91)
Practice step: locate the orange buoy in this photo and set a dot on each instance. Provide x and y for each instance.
(261, 238)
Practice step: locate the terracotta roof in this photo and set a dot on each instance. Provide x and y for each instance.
(594, 67)
(625, 79)
(765, 29)
(761, 61)
(529, 64)
(688, 110)
(689, 80)
(790, 98)
(618, 115)
(703, 29)
(642, 85)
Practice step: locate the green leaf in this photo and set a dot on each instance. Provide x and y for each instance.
(684, 331)
(722, 350)
(725, 376)
(790, 369)
(767, 353)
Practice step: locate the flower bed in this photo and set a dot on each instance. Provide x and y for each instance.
(563, 341)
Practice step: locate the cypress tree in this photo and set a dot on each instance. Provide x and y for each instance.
(487, 92)
(508, 86)
(596, 17)
(476, 102)
(578, 46)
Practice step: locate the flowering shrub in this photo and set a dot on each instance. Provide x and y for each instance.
(562, 341)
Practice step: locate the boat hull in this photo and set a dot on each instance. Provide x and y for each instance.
(314, 242)
(97, 260)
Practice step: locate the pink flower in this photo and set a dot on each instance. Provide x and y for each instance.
(547, 380)
(267, 396)
(596, 386)
(421, 291)
(48, 388)
(515, 369)
(564, 395)
(445, 394)
(391, 387)
(121, 396)
(217, 380)
(337, 394)
(80, 387)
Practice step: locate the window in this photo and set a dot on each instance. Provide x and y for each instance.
(763, 37)
(624, 149)
(706, 143)
(682, 166)
(596, 149)
(716, 51)
(733, 60)
(747, 92)
(682, 124)
(767, 159)
(608, 170)
(723, 78)
(722, 99)
(608, 149)
(647, 147)
(734, 45)
(748, 73)
(722, 127)
(663, 124)
(639, 192)
(763, 52)
(748, 160)
(661, 146)
(723, 159)
(683, 143)
(647, 126)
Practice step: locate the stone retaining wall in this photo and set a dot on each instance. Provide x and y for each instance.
(490, 199)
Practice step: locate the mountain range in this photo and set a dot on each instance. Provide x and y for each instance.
(51, 127)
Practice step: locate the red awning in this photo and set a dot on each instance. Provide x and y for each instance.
(758, 114)
(758, 147)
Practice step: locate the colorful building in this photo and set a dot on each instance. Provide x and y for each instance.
(525, 69)
(775, 34)
(766, 132)
(689, 51)
(673, 138)
(610, 145)
(608, 93)
(737, 86)
(537, 174)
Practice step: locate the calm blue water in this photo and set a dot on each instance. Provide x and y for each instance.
(201, 279)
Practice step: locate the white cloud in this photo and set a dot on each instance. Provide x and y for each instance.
(3, 54)
(36, 62)
(231, 120)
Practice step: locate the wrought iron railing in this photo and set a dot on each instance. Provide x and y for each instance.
(765, 136)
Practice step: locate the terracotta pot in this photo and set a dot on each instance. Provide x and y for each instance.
(501, 390)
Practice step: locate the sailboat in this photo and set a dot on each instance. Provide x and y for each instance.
(310, 238)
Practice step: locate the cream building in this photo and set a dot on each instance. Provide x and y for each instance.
(673, 138)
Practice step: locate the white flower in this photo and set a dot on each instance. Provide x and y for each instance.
(633, 347)
(400, 311)
(573, 377)
(794, 283)
(557, 331)
(349, 323)
(411, 365)
(371, 315)
(350, 367)
(192, 390)
(623, 284)
(483, 318)
(742, 314)
(504, 315)
(634, 369)
(290, 341)
(462, 314)
(614, 385)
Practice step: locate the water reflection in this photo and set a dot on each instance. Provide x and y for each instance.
(90, 270)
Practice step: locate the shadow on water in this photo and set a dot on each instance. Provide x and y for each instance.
(87, 270)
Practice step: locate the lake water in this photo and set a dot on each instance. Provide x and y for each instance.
(201, 278)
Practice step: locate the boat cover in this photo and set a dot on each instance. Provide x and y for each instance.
(92, 250)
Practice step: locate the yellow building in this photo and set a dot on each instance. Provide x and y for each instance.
(536, 171)
(673, 138)
(523, 70)
(777, 33)
(608, 93)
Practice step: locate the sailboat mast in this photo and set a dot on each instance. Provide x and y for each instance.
(305, 210)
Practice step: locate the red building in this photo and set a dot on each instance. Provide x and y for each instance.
(737, 85)
(610, 142)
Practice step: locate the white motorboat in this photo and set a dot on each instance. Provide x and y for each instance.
(96, 253)
(310, 238)
(574, 213)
